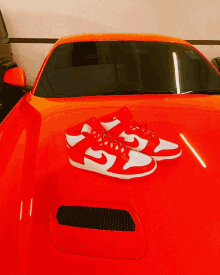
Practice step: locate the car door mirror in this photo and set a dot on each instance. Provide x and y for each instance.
(15, 76)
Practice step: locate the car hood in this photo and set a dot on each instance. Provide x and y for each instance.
(176, 209)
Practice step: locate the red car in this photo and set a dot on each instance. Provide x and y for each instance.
(59, 219)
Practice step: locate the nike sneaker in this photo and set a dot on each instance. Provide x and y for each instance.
(121, 125)
(91, 148)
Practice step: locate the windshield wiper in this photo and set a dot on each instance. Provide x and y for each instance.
(137, 92)
(204, 92)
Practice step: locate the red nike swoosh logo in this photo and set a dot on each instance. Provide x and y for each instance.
(102, 160)
(133, 144)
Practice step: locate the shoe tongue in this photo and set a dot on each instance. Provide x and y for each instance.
(86, 129)
(92, 124)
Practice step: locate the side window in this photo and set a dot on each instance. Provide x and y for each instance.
(195, 72)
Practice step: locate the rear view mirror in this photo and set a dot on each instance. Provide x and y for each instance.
(15, 76)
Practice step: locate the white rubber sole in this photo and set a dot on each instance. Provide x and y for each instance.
(100, 171)
(164, 158)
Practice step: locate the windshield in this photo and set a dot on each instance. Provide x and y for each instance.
(125, 67)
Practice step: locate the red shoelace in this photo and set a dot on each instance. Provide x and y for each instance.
(104, 139)
(134, 126)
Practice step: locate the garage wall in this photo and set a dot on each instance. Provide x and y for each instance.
(188, 19)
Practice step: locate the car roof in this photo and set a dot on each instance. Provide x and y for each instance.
(120, 37)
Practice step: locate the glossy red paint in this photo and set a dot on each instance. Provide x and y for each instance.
(15, 76)
(178, 205)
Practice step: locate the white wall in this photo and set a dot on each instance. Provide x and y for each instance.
(187, 19)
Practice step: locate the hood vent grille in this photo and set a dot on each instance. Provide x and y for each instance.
(95, 218)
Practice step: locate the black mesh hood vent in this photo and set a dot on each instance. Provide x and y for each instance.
(95, 218)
